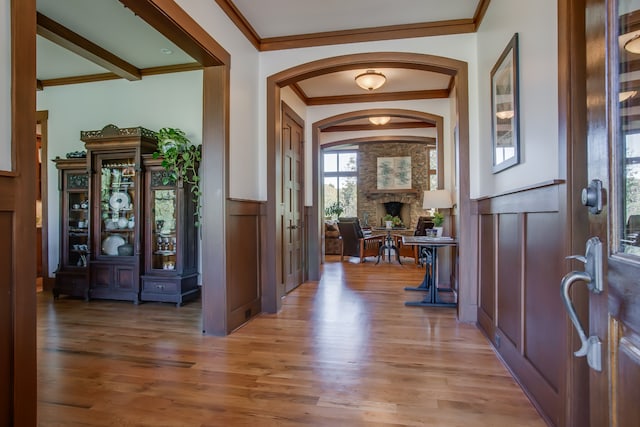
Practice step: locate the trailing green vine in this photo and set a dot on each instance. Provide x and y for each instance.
(181, 159)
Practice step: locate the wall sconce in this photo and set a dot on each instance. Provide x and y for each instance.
(371, 80)
(380, 120)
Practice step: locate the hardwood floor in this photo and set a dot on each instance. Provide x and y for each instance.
(341, 352)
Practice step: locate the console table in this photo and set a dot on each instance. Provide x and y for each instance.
(430, 281)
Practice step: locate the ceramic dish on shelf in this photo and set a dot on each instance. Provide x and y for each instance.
(111, 243)
(119, 200)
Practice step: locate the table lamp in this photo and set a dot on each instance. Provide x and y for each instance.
(437, 199)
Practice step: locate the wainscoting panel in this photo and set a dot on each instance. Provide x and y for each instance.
(520, 254)
(6, 320)
(243, 261)
(486, 264)
(544, 231)
(509, 277)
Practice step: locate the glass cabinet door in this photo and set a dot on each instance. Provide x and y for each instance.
(117, 207)
(77, 224)
(164, 237)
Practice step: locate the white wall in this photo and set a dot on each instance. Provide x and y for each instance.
(536, 24)
(5, 85)
(246, 171)
(173, 100)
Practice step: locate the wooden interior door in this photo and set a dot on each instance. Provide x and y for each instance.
(292, 176)
(613, 149)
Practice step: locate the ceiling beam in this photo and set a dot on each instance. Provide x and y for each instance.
(66, 38)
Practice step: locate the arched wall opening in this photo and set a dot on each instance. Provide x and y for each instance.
(467, 288)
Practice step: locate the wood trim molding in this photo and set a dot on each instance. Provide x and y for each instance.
(378, 97)
(240, 21)
(383, 138)
(70, 40)
(152, 71)
(392, 32)
(467, 230)
(388, 126)
(179, 27)
(23, 233)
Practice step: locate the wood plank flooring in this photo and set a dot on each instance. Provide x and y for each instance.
(341, 352)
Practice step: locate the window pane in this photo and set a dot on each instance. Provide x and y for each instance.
(433, 159)
(349, 195)
(433, 182)
(348, 162)
(5, 85)
(331, 162)
(330, 190)
(631, 234)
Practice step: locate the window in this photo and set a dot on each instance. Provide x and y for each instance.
(340, 173)
(432, 154)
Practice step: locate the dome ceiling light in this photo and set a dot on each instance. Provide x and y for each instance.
(379, 120)
(504, 115)
(371, 80)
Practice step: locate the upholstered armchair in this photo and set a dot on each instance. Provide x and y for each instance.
(332, 239)
(355, 244)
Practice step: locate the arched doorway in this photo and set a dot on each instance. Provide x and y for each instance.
(271, 261)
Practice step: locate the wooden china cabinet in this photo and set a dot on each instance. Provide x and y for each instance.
(170, 239)
(72, 275)
(116, 201)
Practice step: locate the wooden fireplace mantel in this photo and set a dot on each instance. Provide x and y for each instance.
(376, 194)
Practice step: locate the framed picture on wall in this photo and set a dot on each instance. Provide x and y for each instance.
(394, 173)
(504, 108)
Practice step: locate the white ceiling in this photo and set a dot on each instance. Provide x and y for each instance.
(277, 18)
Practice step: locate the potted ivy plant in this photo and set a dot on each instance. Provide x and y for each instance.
(180, 158)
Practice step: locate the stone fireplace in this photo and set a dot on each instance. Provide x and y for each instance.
(394, 208)
(371, 201)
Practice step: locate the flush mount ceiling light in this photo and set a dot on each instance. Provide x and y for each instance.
(633, 45)
(380, 120)
(371, 80)
(623, 96)
(506, 114)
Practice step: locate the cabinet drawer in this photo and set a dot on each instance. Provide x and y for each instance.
(158, 286)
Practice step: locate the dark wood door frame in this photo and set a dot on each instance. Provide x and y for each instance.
(17, 224)
(572, 167)
(41, 119)
(468, 231)
(179, 27)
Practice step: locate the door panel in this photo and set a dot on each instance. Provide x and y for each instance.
(613, 143)
(292, 151)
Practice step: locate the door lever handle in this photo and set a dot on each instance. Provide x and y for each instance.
(592, 276)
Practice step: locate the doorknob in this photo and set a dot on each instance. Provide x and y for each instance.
(592, 196)
(592, 276)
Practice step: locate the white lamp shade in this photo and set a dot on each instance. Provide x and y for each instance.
(436, 199)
